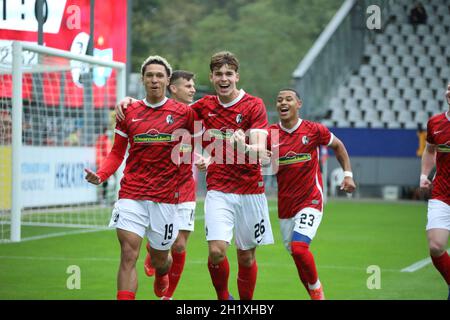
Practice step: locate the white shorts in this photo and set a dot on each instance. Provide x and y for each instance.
(438, 215)
(248, 214)
(186, 216)
(158, 221)
(306, 222)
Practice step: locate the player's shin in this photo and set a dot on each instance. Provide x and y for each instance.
(219, 276)
(247, 281)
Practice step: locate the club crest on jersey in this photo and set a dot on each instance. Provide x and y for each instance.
(152, 136)
(291, 157)
(239, 118)
(305, 140)
(169, 119)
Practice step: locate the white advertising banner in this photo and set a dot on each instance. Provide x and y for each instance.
(55, 176)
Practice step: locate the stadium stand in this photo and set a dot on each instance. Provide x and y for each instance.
(401, 82)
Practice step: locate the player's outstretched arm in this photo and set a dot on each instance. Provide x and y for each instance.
(428, 163)
(348, 185)
(111, 163)
(121, 106)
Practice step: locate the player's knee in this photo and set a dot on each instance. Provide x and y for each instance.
(179, 247)
(216, 255)
(299, 248)
(160, 261)
(437, 248)
(246, 261)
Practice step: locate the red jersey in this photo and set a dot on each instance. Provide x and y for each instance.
(299, 178)
(187, 182)
(438, 133)
(230, 173)
(150, 172)
(102, 148)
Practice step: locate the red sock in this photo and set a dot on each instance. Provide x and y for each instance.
(301, 274)
(125, 295)
(442, 263)
(247, 281)
(304, 260)
(175, 271)
(219, 276)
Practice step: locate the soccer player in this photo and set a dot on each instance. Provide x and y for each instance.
(300, 197)
(148, 196)
(235, 197)
(437, 153)
(182, 89)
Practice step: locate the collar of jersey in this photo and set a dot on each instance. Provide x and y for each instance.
(156, 105)
(232, 103)
(447, 115)
(299, 122)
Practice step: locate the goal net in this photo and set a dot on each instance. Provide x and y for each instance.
(56, 110)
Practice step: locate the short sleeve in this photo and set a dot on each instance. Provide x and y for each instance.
(258, 117)
(430, 136)
(121, 128)
(325, 136)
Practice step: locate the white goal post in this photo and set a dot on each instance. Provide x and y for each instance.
(54, 105)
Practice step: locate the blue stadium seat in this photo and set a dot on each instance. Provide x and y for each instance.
(403, 83)
(382, 104)
(371, 115)
(376, 93)
(419, 83)
(402, 50)
(399, 105)
(416, 105)
(398, 72)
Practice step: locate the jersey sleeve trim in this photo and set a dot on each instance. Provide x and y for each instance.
(331, 139)
(123, 134)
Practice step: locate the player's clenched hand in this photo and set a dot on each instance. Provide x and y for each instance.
(348, 185)
(202, 163)
(425, 183)
(238, 139)
(447, 94)
(121, 106)
(266, 157)
(92, 177)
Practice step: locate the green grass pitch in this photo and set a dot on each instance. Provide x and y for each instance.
(352, 237)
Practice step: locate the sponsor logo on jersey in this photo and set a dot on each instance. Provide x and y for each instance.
(222, 134)
(152, 136)
(292, 157)
(169, 119)
(239, 118)
(305, 140)
(445, 148)
(185, 147)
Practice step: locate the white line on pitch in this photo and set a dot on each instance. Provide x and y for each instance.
(191, 261)
(418, 265)
(60, 234)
